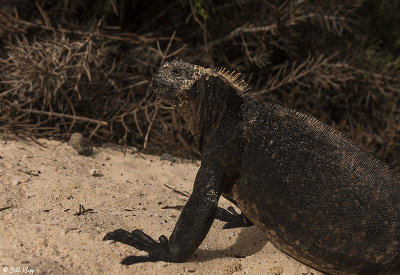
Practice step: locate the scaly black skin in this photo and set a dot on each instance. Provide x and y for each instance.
(316, 195)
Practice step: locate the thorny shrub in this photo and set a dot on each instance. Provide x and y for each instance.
(68, 66)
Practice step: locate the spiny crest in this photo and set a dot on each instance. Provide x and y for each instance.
(232, 78)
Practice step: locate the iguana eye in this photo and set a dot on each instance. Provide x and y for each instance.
(176, 72)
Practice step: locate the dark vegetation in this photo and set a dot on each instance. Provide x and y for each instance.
(86, 66)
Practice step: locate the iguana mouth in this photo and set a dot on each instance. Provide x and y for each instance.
(158, 84)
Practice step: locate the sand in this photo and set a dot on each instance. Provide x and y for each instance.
(43, 186)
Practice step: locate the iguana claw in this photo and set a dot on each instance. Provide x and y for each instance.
(232, 218)
(138, 239)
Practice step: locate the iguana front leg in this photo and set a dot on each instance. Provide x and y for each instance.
(192, 227)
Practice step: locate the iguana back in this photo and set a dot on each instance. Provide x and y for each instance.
(319, 197)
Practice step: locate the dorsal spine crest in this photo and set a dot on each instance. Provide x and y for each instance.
(230, 77)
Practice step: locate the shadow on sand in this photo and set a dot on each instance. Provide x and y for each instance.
(250, 241)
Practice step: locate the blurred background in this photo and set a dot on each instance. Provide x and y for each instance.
(86, 66)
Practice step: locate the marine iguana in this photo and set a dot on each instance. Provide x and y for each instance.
(316, 195)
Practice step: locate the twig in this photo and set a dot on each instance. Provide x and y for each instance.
(176, 207)
(204, 29)
(44, 15)
(164, 54)
(177, 191)
(253, 29)
(127, 37)
(94, 130)
(295, 73)
(82, 210)
(5, 208)
(148, 129)
(136, 122)
(155, 18)
(126, 131)
(50, 114)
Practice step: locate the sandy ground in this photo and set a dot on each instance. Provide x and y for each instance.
(41, 188)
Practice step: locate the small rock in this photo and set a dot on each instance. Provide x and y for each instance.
(276, 270)
(81, 144)
(75, 139)
(161, 264)
(169, 157)
(85, 149)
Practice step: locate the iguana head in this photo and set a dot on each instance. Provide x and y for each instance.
(203, 96)
(174, 80)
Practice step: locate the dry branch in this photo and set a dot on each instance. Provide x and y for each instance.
(56, 77)
(332, 23)
(73, 117)
(125, 37)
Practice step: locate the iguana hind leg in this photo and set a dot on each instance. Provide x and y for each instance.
(232, 218)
